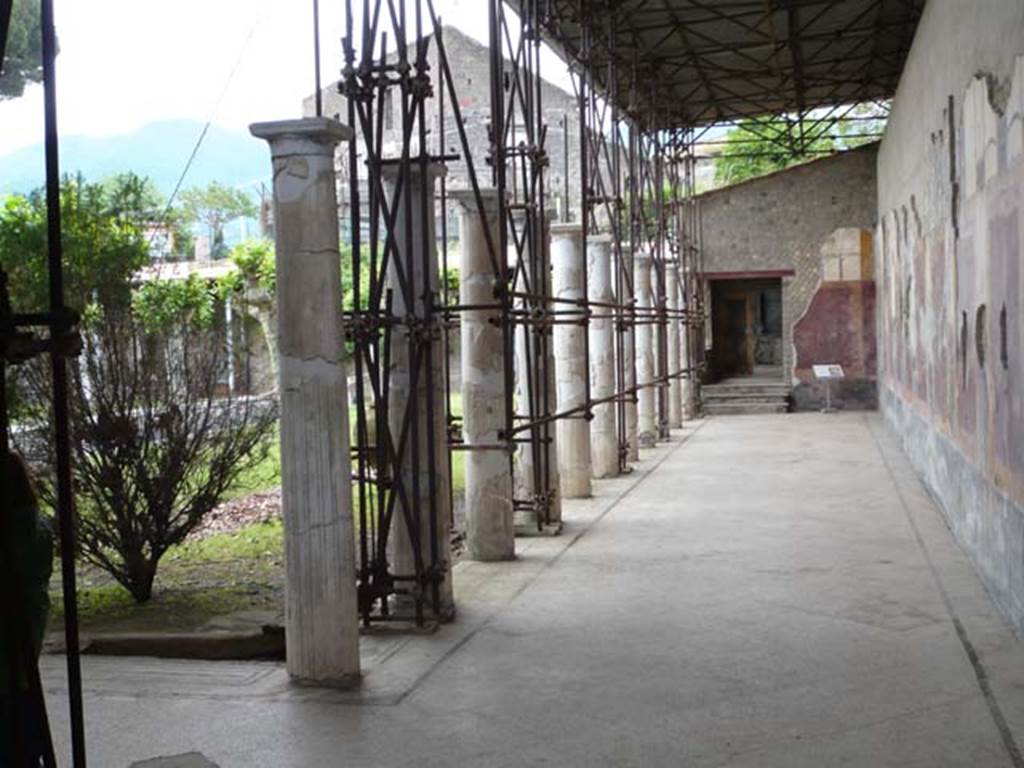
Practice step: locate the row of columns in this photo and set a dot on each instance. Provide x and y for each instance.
(321, 604)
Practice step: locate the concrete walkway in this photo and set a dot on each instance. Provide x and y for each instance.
(770, 591)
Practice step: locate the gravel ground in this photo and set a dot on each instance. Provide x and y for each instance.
(238, 513)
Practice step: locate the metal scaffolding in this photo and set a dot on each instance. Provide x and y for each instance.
(399, 326)
(637, 187)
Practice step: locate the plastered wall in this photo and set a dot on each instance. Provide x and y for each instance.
(950, 282)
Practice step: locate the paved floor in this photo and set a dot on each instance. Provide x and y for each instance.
(768, 591)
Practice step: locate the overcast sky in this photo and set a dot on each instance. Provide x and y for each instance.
(124, 63)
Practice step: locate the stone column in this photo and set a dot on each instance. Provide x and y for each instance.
(689, 409)
(489, 529)
(524, 343)
(629, 345)
(524, 479)
(573, 433)
(321, 613)
(604, 450)
(647, 408)
(685, 337)
(660, 341)
(425, 399)
(555, 491)
(675, 385)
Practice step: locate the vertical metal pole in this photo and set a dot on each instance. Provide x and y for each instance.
(59, 326)
(565, 170)
(316, 57)
(584, 206)
(5, 23)
(500, 248)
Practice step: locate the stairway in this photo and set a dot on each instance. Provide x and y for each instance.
(743, 395)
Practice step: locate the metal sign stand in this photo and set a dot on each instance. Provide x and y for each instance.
(827, 373)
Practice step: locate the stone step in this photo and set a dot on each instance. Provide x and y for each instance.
(780, 390)
(719, 395)
(742, 408)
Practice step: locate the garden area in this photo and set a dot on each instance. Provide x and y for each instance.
(231, 564)
(174, 438)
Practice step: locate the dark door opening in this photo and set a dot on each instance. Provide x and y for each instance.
(746, 320)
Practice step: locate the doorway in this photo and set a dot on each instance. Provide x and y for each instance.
(746, 320)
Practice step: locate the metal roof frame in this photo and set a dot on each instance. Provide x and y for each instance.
(691, 63)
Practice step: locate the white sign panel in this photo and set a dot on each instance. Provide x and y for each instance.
(830, 371)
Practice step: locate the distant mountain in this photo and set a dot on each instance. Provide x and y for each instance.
(157, 150)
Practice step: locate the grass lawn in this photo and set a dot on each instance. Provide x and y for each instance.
(196, 582)
(265, 475)
(200, 580)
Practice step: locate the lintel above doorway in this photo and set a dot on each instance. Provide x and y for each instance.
(748, 274)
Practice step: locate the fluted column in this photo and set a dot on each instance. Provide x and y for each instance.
(321, 613)
(675, 384)
(604, 449)
(555, 490)
(490, 533)
(428, 485)
(647, 409)
(629, 345)
(686, 353)
(573, 433)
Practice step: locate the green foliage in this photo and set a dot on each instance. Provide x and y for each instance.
(256, 263)
(192, 302)
(104, 243)
(262, 476)
(138, 199)
(156, 441)
(450, 280)
(198, 580)
(214, 206)
(348, 286)
(756, 147)
(257, 266)
(23, 58)
(132, 197)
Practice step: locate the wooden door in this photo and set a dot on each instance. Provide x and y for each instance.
(738, 327)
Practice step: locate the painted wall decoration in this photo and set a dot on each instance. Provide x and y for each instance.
(839, 326)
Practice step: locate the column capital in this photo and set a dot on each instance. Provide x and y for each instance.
(467, 199)
(601, 238)
(308, 136)
(389, 169)
(566, 229)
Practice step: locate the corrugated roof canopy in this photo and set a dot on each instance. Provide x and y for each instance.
(694, 62)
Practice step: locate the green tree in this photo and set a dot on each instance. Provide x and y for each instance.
(155, 439)
(214, 206)
(756, 147)
(22, 62)
(256, 265)
(104, 243)
(759, 146)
